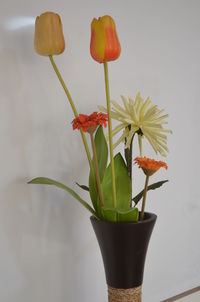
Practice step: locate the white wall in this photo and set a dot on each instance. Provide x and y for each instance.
(48, 251)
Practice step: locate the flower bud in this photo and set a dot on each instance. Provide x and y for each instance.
(49, 39)
(104, 44)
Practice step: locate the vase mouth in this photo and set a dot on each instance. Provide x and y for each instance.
(148, 217)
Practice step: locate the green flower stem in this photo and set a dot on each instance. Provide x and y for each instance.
(97, 170)
(73, 109)
(140, 143)
(131, 158)
(144, 197)
(63, 85)
(130, 164)
(110, 134)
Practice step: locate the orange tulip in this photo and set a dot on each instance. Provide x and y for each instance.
(104, 44)
(49, 39)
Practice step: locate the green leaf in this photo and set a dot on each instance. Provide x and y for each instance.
(129, 216)
(85, 188)
(123, 185)
(109, 214)
(154, 186)
(48, 181)
(102, 157)
(115, 215)
(102, 151)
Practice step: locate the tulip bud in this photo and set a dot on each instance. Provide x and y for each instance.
(49, 39)
(104, 44)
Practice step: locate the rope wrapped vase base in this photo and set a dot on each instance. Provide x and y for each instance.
(125, 295)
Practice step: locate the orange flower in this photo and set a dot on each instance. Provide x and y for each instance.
(90, 122)
(149, 166)
(104, 44)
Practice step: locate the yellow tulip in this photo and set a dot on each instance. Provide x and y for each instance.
(49, 39)
(104, 44)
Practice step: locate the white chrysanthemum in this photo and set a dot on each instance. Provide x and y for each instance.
(143, 118)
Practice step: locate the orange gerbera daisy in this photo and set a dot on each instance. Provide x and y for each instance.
(90, 122)
(149, 166)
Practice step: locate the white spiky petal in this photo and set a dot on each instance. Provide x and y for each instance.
(140, 115)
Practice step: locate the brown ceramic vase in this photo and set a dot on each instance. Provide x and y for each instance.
(123, 247)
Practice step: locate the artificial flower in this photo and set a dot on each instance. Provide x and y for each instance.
(104, 44)
(149, 166)
(49, 39)
(143, 118)
(90, 122)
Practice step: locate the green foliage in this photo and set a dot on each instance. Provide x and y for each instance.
(109, 214)
(115, 215)
(123, 185)
(131, 215)
(123, 212)
(154, 186)
(48, 181)
(102, 157)
(83, 187)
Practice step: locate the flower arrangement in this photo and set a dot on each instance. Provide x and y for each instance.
(109, 185)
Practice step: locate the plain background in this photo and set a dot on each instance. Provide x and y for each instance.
(48, 251)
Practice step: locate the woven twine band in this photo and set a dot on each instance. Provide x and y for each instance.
(125, 295)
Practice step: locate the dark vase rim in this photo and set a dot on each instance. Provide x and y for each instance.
(148, 218)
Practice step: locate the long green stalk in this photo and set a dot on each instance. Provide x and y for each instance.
(73, 109)
(144, 197)
(110, 134)
(140, 143)
(130, 164)
(97, 170)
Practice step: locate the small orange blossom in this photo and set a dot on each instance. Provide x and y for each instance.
(149, 166)
(90, 122)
